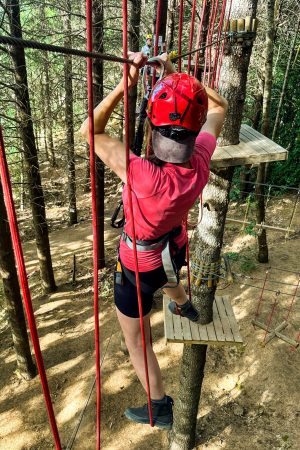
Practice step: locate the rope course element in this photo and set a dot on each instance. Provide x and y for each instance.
(89, 43)
(133, 233)
(11, 213)
(279, 310)
(25, 43)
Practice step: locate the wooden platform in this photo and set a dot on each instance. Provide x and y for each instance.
(223, 330)
(254, 148)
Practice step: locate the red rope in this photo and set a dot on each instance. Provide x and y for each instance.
(223, 47)
(199, 37)
(138, 285)
(192, 34)
(180, 25)
(13, 225)
(217, 47)
(188, 259)
(89, 44)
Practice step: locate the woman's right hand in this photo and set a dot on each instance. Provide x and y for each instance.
(139, 60)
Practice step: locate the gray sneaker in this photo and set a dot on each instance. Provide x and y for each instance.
(187, 310)
(162, 413)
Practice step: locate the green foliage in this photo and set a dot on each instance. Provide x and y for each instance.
(245, 263)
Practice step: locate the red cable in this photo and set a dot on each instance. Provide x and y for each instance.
(217, 47)
(138, 285)
(211, 33)
(199, 37)
(223, 47)
(192, 34)
(13, 225)
(211, 24)
(180, 25)
(188, 259)
(89, 45)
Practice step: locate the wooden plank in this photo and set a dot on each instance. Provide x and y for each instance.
(195, 331)
(261, 141)
(186, 330)
(177, 328)
(218, 332)
(218, 324)
(225, 322)
(253, 148)
(168, 323)
(211, 332)
(203, 332)
(232, 320)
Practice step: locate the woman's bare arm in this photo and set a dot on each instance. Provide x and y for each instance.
(110, 150)
(217, 109)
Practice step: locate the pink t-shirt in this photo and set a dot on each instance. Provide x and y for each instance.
(162, 197)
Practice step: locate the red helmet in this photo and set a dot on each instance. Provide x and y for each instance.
(179, 100)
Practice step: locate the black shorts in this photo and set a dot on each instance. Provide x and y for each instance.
(126, 294)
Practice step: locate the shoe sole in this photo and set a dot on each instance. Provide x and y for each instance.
(156, 423)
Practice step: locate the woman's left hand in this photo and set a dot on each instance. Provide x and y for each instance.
(139, 60)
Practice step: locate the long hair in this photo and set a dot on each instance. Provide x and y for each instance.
(151, 155)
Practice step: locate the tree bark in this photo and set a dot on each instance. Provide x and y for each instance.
(69, 117)
(171, 24)
(134, 41)
(98, 44)
(286, 76)
(30, 153)
(210, 235)
(263, 253)
(8, 272)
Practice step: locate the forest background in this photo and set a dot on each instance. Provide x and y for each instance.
(58, 101)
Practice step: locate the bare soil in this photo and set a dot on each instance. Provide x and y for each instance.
(251, 394)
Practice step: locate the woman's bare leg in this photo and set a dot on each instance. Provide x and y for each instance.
(132, 335)
(177, 293)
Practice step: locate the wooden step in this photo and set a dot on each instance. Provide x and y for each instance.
(223, 330)
(253, 148)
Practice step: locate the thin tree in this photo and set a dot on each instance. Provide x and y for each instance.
(263, 253)
(30, 152)
(171, 24)
(25, 365)
(69, 116)
(134, 46)
(98, 44)
(286, 76)
(209, 237)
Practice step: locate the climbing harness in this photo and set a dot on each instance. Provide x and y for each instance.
(167, 244)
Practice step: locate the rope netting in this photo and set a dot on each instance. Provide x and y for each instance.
(211, 53)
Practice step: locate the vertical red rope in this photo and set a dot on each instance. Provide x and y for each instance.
(199, 37)
(89, 46)
(138, 285)
(210, 32)
(180, 25)
(223, 47)
(217, 47)
(191, 34)
(13, 225)
(188, 259)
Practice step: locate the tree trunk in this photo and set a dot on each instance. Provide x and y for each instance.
(98, 38)
(286, 76)
(30, 153)
(8, 272)
(134, 39)
(263, 253)
(210, 235)
(49, 116)
(171, 24)
(69, 117)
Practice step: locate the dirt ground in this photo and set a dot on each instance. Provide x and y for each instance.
(251, 394)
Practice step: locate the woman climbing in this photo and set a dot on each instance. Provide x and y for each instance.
(184, 121)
